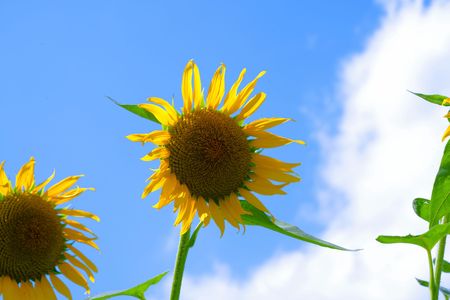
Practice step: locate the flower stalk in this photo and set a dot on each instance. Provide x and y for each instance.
(183, 249)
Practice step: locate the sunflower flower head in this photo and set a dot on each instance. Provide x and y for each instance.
(447, 131)
(37, 238)
(208, 157)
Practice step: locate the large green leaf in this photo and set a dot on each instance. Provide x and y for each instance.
(259, 218)
(436, 99)
(445, 266)
(440, 197)
(426, 240)
(422, 208)
(135, 109)
(137, 291)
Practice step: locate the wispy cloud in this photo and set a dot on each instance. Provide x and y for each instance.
(385, 154)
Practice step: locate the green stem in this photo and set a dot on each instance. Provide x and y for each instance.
(433, 293)
(440, 259)
(183, 249)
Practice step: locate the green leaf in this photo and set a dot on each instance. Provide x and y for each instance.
(445, 291)
(436, 99)
(137, 291)
(259, 218)
(426, 240)
(445, 266)
(440, 197)
(422, 208)
(193, 237)
(135, 109)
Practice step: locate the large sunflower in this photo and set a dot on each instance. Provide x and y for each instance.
(37, 240)
(208, 157)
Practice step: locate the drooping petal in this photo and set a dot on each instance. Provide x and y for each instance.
(217, 216)
(216, 88)
(446, 133)
(80, 265)
(154, 185)
(230, 98)
(272, 163)
(186, 87)
(160, 114)
(228, 214)
(47, 290)
(79, 213)
(74, 275)
(253, 200)
(86, 260)
(266, 139)
(189, 217)
(169, 187)
(203, 211)
(78, 225)
(265, 187)
(60, 286)
(263, 124)
(251, 106)
(25, 176)
(11, 290)
(63, 185)
(156, 153)
(171, 111)
(157, 137)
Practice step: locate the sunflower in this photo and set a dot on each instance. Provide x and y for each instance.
(38, 240)
(447, 131)
(208, 156)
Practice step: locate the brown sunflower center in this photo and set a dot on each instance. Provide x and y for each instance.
(209, 153)
(31, 237)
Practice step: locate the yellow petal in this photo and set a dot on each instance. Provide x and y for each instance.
(228, 214)
(186, 87)
(154, 185)
(166, 194)
(47, 290)
(26, 291)
(272, 163)
(171, 111)
(189, 217)
(231, 96)
(78, 225)
(253, 200)
(446, 101)
(60, 286)
(63, 185)
(76, 235)
(185, 207)
(217, 216)
(266, 139)
(11, 290)
(203, 211)
(263, 124)
(79, 213)
(80, 265)
(156, 153)
(198, 95)
(244, 94)
(274, 174)
(251, 106)
(69, 195)
(446, 133)
(25, 176)
(86, 260)
(216, 88)
(160, 114)
(44, 184)
(74, 275)
(157, 137)
(265, 187)
(5, 184)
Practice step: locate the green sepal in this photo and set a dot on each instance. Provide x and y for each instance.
(138, 291)
(425, 240)
(435, 99)
(259, 218)
(445, 291)
(440, 197)
(135, 109)
(193, 237)
(421, 207)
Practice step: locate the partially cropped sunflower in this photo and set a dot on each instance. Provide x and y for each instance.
(208, 156)
(447, 132)
(37, 240)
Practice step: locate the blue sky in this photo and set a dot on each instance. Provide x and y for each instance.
(60, 60)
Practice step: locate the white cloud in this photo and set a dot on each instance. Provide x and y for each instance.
(385, 154)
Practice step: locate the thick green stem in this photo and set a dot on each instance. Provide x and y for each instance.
(440, 259)
(433, 293)
(183, 249)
